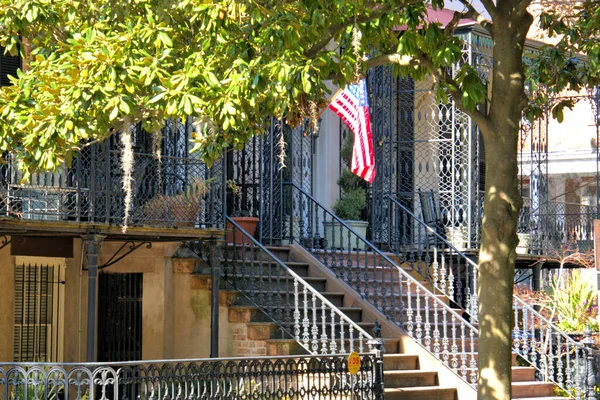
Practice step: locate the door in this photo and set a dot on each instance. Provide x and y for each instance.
(120, 317)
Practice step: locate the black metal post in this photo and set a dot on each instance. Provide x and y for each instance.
(92, 246)
(378, 350)
(214, 260)
(588, 342)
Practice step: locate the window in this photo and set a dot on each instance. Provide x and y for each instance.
(38, 292)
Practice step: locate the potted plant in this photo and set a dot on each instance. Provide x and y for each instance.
(351, 205)
(239, 216)
(177, 210)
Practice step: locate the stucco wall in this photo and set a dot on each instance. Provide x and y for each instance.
(175, 304)
(7, 299)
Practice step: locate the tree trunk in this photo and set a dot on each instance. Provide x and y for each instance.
(497, 255)
(502, 201)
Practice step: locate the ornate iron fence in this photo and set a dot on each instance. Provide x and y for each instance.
(554, 225)
(308, 377)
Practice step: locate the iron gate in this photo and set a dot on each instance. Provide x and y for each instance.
(120, 316)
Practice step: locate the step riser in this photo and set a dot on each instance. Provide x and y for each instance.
(400, 362)
(336, 257)
(265, 269)
(251, 253)
(283, 286)
(290, 347)
(534, 389)
(336, 300)
(354, 316)
(523, 374)
(413, 379)
(433, 394)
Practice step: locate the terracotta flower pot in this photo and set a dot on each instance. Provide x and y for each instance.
(246, 223)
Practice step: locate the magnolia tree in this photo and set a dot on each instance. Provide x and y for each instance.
(95, 67)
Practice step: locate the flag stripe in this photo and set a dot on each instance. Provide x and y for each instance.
(352, 106)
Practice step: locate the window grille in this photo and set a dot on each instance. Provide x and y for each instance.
(38, 294)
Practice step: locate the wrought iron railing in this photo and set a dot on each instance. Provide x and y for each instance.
(171, 191)
(234, 378)
(383, 280)
(437, 259)
(557, 357)
(288, 299)
(549, 226)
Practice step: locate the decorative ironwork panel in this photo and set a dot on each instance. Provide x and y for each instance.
(256, 175)
(38, 304)
(177, 189)
(120, 316)
(421, 146)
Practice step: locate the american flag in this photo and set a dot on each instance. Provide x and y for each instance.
(352, 105)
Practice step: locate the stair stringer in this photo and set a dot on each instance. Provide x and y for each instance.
(447, 377)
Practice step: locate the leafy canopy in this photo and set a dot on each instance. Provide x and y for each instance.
(92, 65)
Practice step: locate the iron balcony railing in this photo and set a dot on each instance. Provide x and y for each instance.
(549, 226)
(172, 191)
(289, 300)
(383, 280)
(557, 357)
(234, 378)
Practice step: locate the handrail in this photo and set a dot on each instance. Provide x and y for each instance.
(528, 318)
(381, 254)
(442, 331)
(431, 230)
(341, 222)
(306, 287)
(447, 277)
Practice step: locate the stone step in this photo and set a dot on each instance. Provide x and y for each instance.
(421, 393)
(281, 347)
(335, 298)
(542, 398)
(264, 268)
(389, 299)
(532, 389)
(253, 282)
(409, 378)
(400, 361)
(253, 252)
(282, 314)
(523, 374)
(334, 256)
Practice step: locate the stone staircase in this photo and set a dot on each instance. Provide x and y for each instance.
(404, 376)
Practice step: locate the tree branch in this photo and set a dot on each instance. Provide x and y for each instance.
(522, 6)
(377, 10)
(334, 29)
(444, 76)
(478, 17)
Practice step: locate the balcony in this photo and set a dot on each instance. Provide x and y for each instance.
(170, 192)
(553, 226)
